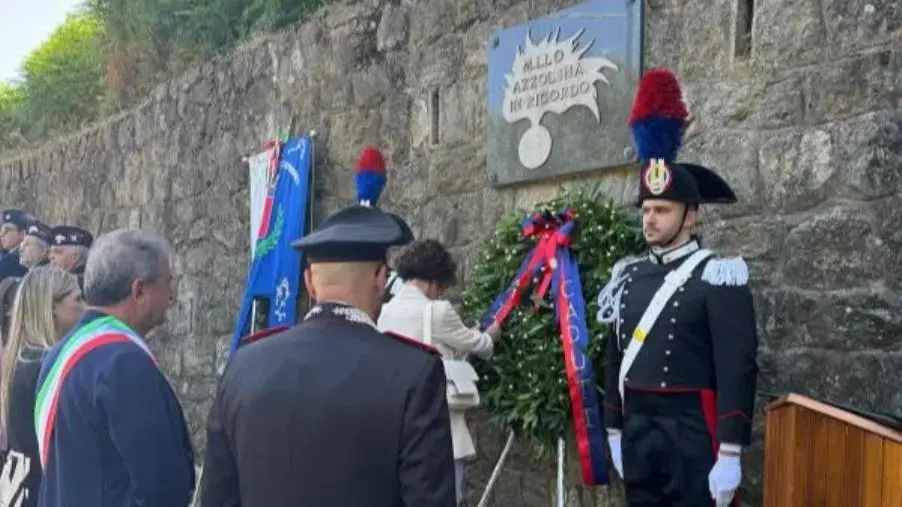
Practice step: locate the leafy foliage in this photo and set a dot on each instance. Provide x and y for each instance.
(62, 78)
(10, 97)
(61, 87)
(524, 385)
(146, 41)
(111, 53)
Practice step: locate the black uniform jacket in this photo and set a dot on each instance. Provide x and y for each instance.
(9, 265)
(331, 413)
(23, 443)
(705, 340)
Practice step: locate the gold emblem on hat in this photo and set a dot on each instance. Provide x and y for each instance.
(657, 177)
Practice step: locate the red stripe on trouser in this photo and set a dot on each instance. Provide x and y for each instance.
(709, 408)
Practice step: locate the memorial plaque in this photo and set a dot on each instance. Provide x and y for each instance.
(560, 89)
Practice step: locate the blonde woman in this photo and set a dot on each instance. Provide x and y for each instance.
(427, 269)
(47, 305)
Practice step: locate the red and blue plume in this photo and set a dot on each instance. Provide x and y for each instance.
(369, 176)
(659, 116)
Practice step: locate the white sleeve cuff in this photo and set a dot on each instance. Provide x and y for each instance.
(731, 448)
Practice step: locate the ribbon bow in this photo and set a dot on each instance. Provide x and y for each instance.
(552, 230)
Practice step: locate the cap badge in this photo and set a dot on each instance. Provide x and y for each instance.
(59, 238)
(657, 177)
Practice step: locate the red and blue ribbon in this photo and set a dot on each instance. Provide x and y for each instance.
(553, 264)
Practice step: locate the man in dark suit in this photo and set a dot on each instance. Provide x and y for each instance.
(12, 232)
(332, 412)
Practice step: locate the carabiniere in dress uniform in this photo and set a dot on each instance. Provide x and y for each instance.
(681, 367)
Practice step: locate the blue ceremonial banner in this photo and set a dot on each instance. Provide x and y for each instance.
(275, 272)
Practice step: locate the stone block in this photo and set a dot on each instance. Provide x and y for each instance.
(429, 21)
(663, 36)
(370, 86)
(844, 377)
(837, 248)
(851, 86)
(797, 166)
(870, 154)
(706, 38)
(751, 238)
(735, 156)
(788, 34)
(454, 171)
(858, 24)
(436, 66)
(451, 219)
(755, 104)
(852, 320)
(393, 27)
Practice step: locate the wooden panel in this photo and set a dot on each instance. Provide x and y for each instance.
(853, 466)
(800, 481)
(814, 460)
(818, 461)
(872, 485)
(775, 457)
(834, 439)
(892, 475)
(836, 413)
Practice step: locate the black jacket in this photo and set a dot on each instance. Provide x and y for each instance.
(23, 463)
(705, 340)
(330, 413)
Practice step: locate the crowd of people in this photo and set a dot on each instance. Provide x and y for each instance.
(363, 402)
(90, 419)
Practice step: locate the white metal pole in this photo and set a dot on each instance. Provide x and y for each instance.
(484, 501)
(560, 473)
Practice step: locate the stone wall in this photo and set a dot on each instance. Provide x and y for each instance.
(807, 129)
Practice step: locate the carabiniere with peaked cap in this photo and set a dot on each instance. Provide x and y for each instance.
(681, 367)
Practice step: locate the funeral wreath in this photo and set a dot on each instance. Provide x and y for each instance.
(525, 385)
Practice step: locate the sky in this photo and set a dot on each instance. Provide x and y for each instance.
(24, 25)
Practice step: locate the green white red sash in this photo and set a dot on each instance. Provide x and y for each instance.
(99, 332)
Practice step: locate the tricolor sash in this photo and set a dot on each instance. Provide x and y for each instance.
(673, 281)
(99, 332)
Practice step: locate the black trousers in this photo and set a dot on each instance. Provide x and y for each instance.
(668, 449)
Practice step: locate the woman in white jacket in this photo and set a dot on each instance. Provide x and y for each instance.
(428, 270)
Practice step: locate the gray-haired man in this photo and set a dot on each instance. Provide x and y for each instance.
(110, 429)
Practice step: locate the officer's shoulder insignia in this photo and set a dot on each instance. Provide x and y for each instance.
(729, 271)
(624, 263)
(259, 335)
(410, 341)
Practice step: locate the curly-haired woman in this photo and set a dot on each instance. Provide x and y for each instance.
(428, 271)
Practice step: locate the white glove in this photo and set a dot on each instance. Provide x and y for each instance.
(616, 451)
(725, 475)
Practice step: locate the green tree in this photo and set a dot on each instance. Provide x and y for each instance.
(62, 87)
(11, 99)
(146, 41)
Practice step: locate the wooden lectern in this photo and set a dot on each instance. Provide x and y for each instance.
(820, 455)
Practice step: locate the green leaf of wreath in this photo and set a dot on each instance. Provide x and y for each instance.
(524, 386)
